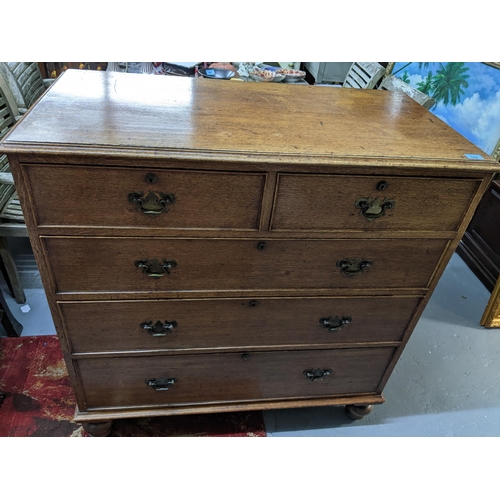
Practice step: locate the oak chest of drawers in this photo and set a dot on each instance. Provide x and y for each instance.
(215, 246)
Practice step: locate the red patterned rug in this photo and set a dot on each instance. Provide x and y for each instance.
(37, 400)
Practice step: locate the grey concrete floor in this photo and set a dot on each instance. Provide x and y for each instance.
(34, 315)
(446, 383)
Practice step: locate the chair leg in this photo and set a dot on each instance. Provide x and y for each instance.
(12, 327)
(11, 274)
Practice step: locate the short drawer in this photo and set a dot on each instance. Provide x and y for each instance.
(152, 198)
(204, 378)
(191, 324)
(167, 264)
(334, 202)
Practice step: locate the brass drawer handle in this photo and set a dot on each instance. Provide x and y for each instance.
(161, 384)
(153, 204)
(154, 268)
(159, 329)
(335, 324)
(374, 209)
(354, 267)
(318, 374)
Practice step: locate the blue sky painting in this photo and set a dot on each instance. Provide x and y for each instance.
(473, 86)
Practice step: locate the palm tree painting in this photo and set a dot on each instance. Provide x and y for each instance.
(467, 96)
(425, 86)
(405, 77)
(449, 82)
(445, 86)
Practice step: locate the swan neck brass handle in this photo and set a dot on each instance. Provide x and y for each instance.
(372, 209)
(335, 324)
(158, 329)
(161, 384)
(154, 268)
(355, 266)
(152, 204)
(317, 374)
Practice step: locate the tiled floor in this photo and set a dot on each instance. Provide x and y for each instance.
(446, 383)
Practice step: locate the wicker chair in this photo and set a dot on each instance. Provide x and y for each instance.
(11, 216)
(25, 81)
(363, 75)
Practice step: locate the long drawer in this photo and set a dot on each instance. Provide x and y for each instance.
(171, 380)
(370, 203)
(190, 324)
(168, 264)
(149, 198)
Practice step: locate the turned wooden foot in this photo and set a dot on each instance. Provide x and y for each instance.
(357, 412)
(98, 429)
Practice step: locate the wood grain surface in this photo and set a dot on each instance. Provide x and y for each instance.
(99, 197)
(107, 264)
(327, 202)
(200, 324)
(225, 377)
(131, 114)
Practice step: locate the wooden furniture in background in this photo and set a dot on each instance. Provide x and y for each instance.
(480, 245)
(54, 69)
(199, 257)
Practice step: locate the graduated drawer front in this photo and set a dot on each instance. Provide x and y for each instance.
(108, 264)
(328, 202)
(120, 326)
(86, 196)
(119, 382)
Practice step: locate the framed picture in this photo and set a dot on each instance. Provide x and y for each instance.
(491, 315)
(467, 96)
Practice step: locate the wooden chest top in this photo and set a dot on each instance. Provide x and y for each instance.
(116, 114)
